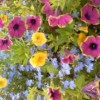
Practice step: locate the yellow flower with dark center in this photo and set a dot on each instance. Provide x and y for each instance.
(38, 38)
(3, 82)
(3, 17)
(83, 29)
(81, 38)
(38, 59)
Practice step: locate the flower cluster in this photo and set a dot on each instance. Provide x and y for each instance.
(52, 49)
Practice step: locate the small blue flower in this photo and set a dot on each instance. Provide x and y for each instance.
(65, 68)
(25, 93)
(66, 84)
(54, 62)
(72, 84)
(89, 64)
(60, 74)
(21, 68)
(29, 82)
(79, 67)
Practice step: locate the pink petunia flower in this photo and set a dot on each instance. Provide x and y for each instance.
(64, 19)
(1, 23)
(95, 2)
(33, 22)
(47, 10)
(45, 1)
(16, 27)
(92, 89)
(60, 21)
(5, 43)
(90, 14)
(68, 58)
(54, 94)
(91, 46)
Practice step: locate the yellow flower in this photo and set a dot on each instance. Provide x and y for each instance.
(3, 82)
(3, 17)
(81, 38)
(83, 28)
(38, 38)
(38, 59)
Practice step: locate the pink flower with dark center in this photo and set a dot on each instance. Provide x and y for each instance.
(33, 22)
(92, 89)
(1, 23)
(60, 21)
(47, 10)
(68, 58)
(5, 43)
(45, 1)
(54, 94)
(91, 46)
(90, 14)
(95, 2)
(16, 27)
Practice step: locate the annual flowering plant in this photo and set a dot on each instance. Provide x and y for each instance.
(49, 49)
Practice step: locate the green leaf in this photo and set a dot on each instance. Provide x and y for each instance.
(49, 68)
(80, 80)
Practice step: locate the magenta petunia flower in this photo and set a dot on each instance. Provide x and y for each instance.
(60, 21)
(47, 10)
(91, 46)
(68, 57)
(53, 21)
(64, 19)
(54, 94)
(95, 2)
(90, 14)
(45, 1)
(33, 22)
(5, 43)
(16, 27)
(1, 23)
(92, 89)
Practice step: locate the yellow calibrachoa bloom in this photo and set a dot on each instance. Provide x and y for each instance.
(3, 17)
(83, 28)
(38, 59)
(38, 38)
(81, 38)
(3, 82)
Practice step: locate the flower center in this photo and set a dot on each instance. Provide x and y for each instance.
(93, 46)
(4, 41)
(16, 27)
(52, 94)
(87, 16)
(33, 21)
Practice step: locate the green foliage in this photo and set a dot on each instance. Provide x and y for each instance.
(49, 68)
(19, 52)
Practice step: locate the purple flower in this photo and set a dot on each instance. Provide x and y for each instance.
(90, 14)
(91, 46)
(16, 27)
(55, 93)
(5, 43)
(95, 2)
(33, 22)
(92, 89)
